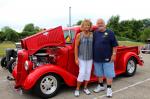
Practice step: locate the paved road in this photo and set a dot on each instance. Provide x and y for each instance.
(136, 87)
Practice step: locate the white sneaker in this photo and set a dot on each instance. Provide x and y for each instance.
(86, 91)
(109, 92)
(99, 88)
(77, 93)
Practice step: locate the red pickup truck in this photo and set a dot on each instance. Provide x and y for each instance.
(47, 60)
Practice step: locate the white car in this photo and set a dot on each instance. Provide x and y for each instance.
(146, 49)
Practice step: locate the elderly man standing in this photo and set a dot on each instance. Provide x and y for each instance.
(104, 55)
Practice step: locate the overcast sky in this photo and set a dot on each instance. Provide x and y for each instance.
(51, 13)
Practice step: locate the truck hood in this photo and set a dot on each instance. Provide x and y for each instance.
(50, 37)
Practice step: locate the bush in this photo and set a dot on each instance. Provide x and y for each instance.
(145, 34)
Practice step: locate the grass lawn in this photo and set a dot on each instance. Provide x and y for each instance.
(5, 45)
(130, 43)
(8, 44)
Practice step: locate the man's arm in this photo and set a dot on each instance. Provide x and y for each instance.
(114, 44)
(113, 54)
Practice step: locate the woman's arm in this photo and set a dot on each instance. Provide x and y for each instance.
(77, 41)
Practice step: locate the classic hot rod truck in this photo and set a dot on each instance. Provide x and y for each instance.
(47, 59)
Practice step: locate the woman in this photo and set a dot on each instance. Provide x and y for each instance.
(84, 55)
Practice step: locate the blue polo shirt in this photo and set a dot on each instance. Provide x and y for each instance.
(103, 45)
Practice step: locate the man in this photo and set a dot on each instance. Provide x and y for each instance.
(104, 56)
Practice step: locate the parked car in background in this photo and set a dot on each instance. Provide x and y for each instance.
(47, 60)
(9, 60)
(146, 48)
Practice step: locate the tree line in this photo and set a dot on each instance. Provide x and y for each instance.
(136, 30)
(9, 34)
(133, 30)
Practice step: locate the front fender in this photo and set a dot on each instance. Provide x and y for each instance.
(129, 55)
(33, 76)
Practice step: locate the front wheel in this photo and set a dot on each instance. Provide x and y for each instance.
(3, 62)
(47, 86)
(131, 67)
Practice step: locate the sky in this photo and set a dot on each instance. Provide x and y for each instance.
(52, 13)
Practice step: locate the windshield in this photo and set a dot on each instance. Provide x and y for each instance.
(69, 36)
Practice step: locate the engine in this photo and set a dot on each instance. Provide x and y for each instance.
(42, 58)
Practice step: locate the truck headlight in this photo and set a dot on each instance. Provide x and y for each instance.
(26, 65)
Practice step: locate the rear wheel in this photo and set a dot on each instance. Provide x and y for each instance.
(47, 86)
(11, 65)
(131, 67)
(3, 62)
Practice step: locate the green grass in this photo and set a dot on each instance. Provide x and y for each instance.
(130, 43)
(8, 44)
(5, 45)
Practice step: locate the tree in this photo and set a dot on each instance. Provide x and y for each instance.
(131, 29)
(2, 36)
(37, 29)
(146, 23)
(10, 34)
(113, 24)
(137, 27)
(145, 34)
(125, 29)
(79, 22)
(29, 29)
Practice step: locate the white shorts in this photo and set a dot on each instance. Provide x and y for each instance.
(85, 67)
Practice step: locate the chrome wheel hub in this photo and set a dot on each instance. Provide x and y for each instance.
(48, 84)
(131, 66)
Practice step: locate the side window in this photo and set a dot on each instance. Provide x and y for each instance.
(69, 36)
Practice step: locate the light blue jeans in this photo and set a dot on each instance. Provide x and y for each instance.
(104, 69)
